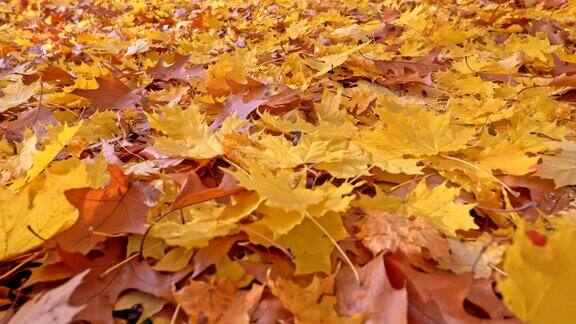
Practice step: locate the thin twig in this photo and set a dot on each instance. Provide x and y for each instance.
(20, 265)
(528, 205)
(262, 236)
(175, 315)
(500, 271)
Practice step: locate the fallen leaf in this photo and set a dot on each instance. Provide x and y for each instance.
(436, 297)
(313, 303)
(150, 304)
(40, 210)
(386, 232)
(119, 208)
(56, 301)
(17, 93)
(219, 301)
(111, 94)
(176, 70)
(41, 159)
(214, 252)
(560, 167)
(437, 207)
(540, 279)
(99, 292)
(373, 297)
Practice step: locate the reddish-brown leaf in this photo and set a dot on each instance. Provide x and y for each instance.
(498, 78)
(51, 306)
(274, 264)
(564, 80)
(117, 209)
(32, 118)
(204, 195)
(60, 264)
(100, 290)
(436, 298)
(482, 295)
(561, 67)
(214, 252)
(176, 70)
(235, 105)
(374, 297)
(112, 94)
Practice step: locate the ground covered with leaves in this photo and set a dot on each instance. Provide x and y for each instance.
(287, 161)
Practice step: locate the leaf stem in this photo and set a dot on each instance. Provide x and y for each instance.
(356, 276)
(489, 174)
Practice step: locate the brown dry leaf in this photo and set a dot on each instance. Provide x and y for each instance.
(432, 297)
(482, 294)
(561, 67)
(111, 94)
(214, 252)
(219, 301)
(61, 264)
(203, 196)
(271, 310)
(424, 65)
(387, 232)
(374, 297)
(564, 80)
(176, 70)
(119, 208)
(235, 105)
(271, 265)
(51, 306)
(99, 291)
(37, 119)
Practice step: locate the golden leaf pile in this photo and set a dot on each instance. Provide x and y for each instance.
(232, 161)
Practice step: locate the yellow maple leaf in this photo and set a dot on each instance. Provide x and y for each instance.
(560, 167)
(507, 157)
(285, 189)
(473, 256)
(280, 221)
(175, 260)
(420, 132)
(205, 222)
(379, 202)
(311, 304)
(533, 46)
(437, 207)
(17, 93)
(541, 280)
(187, 133)
(41, 159)
(309, 244)
(326, 63)
(42, 205)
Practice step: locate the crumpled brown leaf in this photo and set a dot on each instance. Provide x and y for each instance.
(218, 301)
(387, 232)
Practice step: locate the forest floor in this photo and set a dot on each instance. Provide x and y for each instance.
(287, 161)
